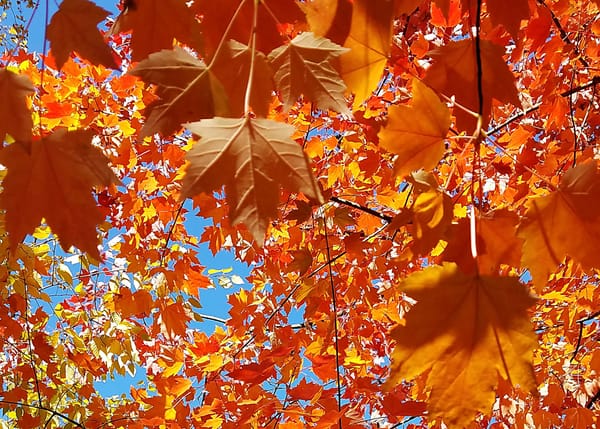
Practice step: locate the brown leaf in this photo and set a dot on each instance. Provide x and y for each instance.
(218, 15)
(232, 68)
(73, 28)
(186, 88)
(454, 73)
(155, 23)
(251, 157)
(304, 67)
(54, 181)
(416, 133)
(563, 223)
(464, 330)
(16, 116)
(369, 42)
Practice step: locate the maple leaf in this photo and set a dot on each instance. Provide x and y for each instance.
(186, 88)
(53, 179)
(369, 42)
(563, 223)
(497, 242)
(251, 157)
(73, 28)
(432, 214)
(416, 133)
(155, 23)
(454, 73)
(329, 18)
(235, 18)
(16, 117)
(508, 13)
(406, 6)
(232, 68)
(304, 67)
(464, 330)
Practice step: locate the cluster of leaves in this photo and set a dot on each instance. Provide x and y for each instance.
(407, 175)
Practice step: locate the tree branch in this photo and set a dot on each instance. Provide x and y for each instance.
(563, 34)
(357, 206)
(595, 81)
(41, 407)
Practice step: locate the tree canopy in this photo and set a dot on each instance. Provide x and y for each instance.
(413, 183)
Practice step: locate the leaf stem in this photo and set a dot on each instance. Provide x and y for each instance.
(247, 108)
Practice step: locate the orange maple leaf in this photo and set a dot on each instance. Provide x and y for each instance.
(416, 133)
(53, 179)
(186, 88)
(563, 223)
(329, 18)
(155, 23)
(16, 117)
(138, 304)
(464, 330)
(73, 28)
(497, 242)
(235, 18)
(432, 215)
(508, 14)
(304, 66)
(369, 42)
(251, 157)
(454, 73)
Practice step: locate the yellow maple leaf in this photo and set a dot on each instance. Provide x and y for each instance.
(563, 223)
(416, 132)
(464, 330)
(369, 42)
(251, 157)
(53, 179)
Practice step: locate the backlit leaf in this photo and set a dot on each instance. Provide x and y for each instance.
(416, 132)
(454, 73)
(73, 29)
(563, 223)
(53, 179)
(16, 116)
(369, 42)
(272, 15)
(508, 13)
(252, 158)
(232, 68)
(304, 67)
(464, 330)
(155, 23)
(186, 88)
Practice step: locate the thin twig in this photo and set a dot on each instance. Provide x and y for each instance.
(41, 407)
(335, 325)
(563, 34)
(592, 83)
(357, 206)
